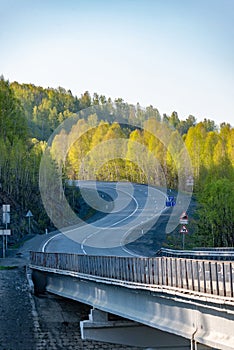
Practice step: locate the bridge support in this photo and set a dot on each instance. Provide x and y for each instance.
(39, 280)
(131, 333)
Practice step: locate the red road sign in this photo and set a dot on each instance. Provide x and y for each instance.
(184, 229)
(184, 218)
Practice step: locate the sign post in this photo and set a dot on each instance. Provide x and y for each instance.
(183, 230)
(4, 233)
(29, 215)
(5, 220)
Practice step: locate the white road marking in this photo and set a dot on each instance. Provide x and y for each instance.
(49, 240)
(115, 223)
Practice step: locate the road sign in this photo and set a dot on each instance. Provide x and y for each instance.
(6, 208)
(6, 218)
(184, 229)
(184, 219)
(190, 181)
(170, 201)
(29, 214)
(5, 232)
(6, 213)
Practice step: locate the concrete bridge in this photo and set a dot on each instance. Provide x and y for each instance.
(161, 302)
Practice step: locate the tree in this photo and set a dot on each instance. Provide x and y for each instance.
(209, 125)
(174, 120)
(12, 121)
(85, 100)
(184, 125)
(195, 142)
(80, 139)
(207, 157)
(217, 212)
(230, 147)
(152, 112)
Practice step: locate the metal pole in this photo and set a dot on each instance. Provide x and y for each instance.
(6, 236)
(29, 224)
(3, 246)
(183, 239)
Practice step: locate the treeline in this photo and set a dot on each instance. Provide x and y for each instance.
(114, 140)
(45, 109)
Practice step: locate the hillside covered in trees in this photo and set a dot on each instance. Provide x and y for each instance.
(29, 114)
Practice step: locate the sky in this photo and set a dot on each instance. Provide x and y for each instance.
(177, 55)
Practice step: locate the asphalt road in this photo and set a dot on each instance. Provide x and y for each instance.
(132, 206)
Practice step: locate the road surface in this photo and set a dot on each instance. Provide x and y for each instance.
(132, 206)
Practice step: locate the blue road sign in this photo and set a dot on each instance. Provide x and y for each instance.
(170, 201)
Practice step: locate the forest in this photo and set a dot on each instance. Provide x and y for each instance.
(113, 141)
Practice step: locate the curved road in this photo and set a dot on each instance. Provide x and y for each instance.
(133, 205)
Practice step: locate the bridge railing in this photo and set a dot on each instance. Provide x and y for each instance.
(205, 276)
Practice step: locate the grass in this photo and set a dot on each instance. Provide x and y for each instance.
(20, 243)
(16, 245)
(7, 267)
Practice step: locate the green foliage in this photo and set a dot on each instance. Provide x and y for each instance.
(29, 114)
(45, 109)
(12, 122)
(19, 161)
(8, 267)
(216, 213)
(211, 153)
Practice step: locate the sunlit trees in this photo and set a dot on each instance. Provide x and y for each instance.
(195, 143)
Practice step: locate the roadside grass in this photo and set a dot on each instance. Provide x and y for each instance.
(20, 243)
(16, 245)
(8, 267)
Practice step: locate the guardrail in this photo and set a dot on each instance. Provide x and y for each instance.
(199, 253)
(210, 277)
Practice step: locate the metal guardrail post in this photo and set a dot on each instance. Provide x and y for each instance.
(192, 274)
(181, 274)
(186, 273)
(171, 273)
(231, 278)
(224, 280)
(204, 275)
(176, 273)
(166, 271)
(211, 283)
(198, 277)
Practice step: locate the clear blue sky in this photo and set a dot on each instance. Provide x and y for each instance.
(177, 55)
